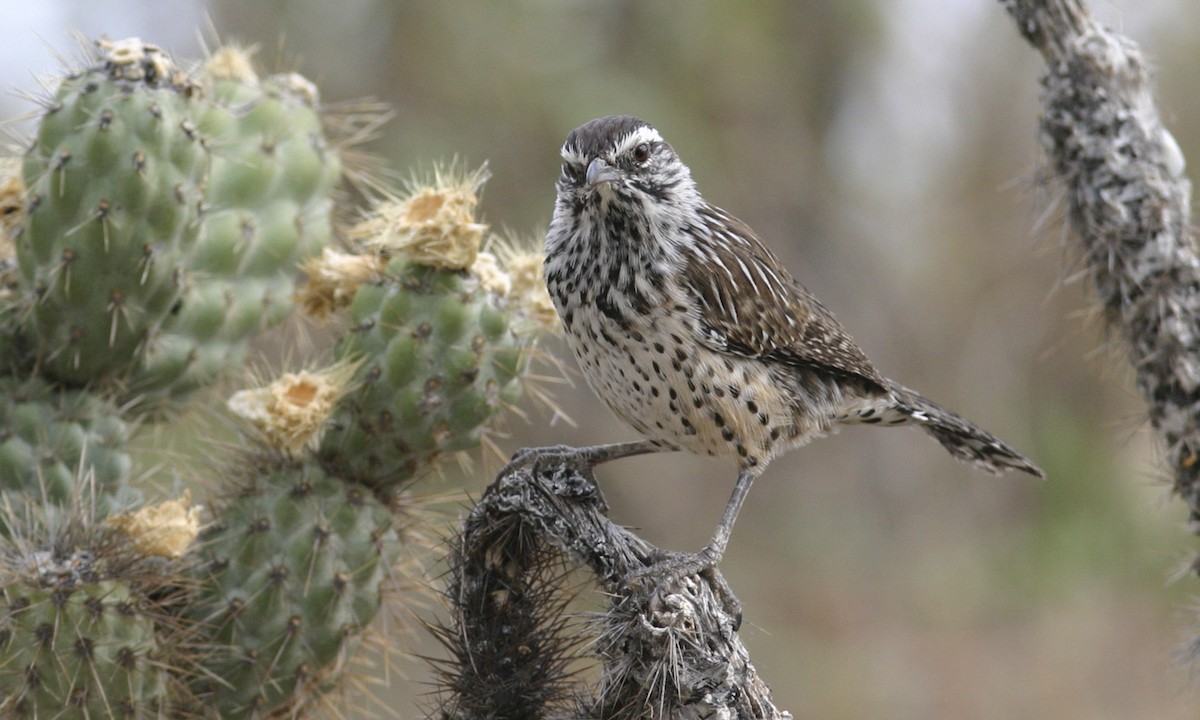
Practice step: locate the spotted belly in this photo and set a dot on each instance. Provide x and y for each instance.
(673, 390)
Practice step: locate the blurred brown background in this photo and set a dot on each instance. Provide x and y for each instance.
(887, 150)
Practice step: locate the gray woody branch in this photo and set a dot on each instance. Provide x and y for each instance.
(666, 651)
(1128, 204)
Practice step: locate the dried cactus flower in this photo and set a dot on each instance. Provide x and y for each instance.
(12, 202)
(12, 214)
(491, 276)
(529, 290)
(434, 225)
(231, 62)
(299, 86)
(333, 278)
(523, 261)
(163, 530)
(291, 412)
(137, 61)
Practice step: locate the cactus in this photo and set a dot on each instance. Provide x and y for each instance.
(12, 216)
(441, 361)
(114, 181)
(86, 647)
(86, 624)
(268, 208)
(152, 230)
(290, 575)
(55, 443)
(434, 325)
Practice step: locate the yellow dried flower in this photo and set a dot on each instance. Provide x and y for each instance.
(434, 225)
(12, 202)
(231, 62)
(136, 61)
(333, 278)
(529, 294)
(300, 87)
(291, 412)
(163, 530)
(491, 276)
(12, 214)
(523, 261)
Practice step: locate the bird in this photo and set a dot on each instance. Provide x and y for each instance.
(693, 332)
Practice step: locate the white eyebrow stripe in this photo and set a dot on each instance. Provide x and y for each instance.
(570, 155)
(644, 134)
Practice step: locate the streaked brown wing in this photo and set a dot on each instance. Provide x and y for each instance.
(749, 305)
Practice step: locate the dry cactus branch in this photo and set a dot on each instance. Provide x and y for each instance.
(1128, 205)
(667, 651)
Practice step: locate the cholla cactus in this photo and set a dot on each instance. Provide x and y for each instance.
(154, 227)
(433, 326)
(268, 207)
(115, 182)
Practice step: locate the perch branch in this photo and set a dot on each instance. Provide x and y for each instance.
(666, 651)
(1128, 204)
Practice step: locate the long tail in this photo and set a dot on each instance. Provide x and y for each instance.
(963, 440)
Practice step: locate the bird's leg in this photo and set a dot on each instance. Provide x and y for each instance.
(715, 550)
(679, 565)
(585, 456)
(597, 454)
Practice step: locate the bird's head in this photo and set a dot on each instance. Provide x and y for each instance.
(621, 157)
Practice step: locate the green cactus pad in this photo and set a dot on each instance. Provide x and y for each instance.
(72, 649)
(268, 208)
(52, 441)
(114, 181)
(439, 361)
(290, 575)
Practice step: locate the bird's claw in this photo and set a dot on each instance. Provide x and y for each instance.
(532, 457)
(669, 569)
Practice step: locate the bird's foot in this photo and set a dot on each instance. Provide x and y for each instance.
(534, 456)
(576, 462)
(673, 568)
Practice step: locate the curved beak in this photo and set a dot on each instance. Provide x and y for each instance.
(599, 171)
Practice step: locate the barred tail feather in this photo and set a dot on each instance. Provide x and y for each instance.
(963, 440)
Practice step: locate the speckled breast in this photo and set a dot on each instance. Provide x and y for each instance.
(656, 377)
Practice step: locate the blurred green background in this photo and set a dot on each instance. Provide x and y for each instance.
(887, 150)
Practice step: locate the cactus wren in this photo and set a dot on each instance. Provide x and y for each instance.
(692, 331)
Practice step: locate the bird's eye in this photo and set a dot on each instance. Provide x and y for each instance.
(641, 153)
